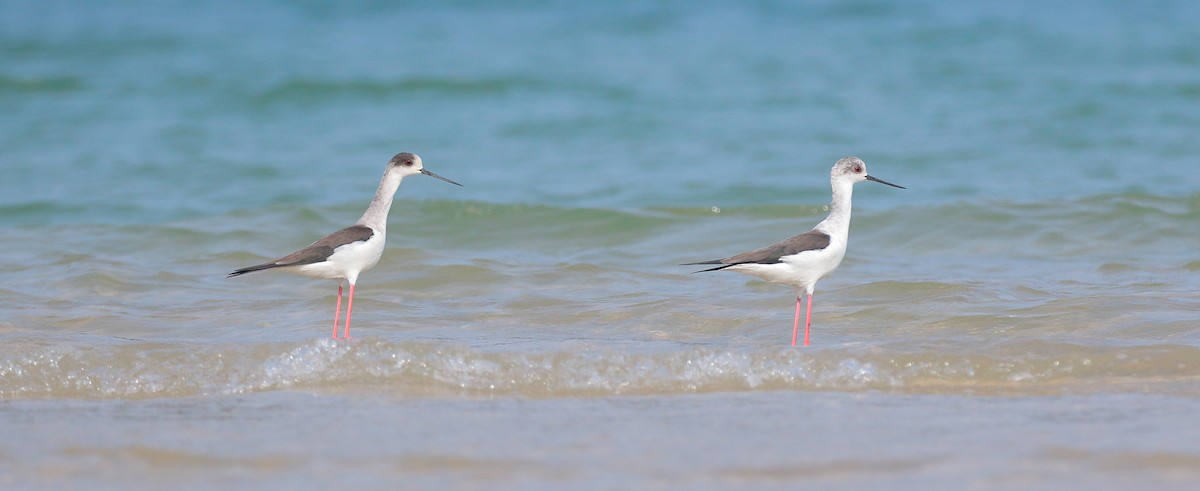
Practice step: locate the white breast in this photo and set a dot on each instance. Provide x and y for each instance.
(348, 261)
(800, 271)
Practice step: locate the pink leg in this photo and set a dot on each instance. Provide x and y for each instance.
(807, 317)
(796, 324)
(349, 311)
(337, 312)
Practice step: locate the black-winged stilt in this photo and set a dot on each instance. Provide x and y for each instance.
(344, 254)
(801, 260)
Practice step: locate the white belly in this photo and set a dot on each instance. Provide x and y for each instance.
(800, 271)
(347, 261)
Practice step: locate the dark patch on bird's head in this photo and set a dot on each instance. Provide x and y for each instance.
(405, 159)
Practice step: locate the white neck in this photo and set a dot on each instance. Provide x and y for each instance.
(377, 213)
(838, 221)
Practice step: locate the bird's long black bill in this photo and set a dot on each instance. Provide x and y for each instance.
(430, 174)
(881, 181)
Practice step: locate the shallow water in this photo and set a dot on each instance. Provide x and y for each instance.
(825, 440)
(1023, 316)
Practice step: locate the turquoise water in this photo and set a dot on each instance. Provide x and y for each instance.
(1025, 314)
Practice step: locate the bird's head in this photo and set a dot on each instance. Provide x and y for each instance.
(854, 170)
(407, 164)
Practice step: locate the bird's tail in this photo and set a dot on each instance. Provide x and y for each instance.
(714, 261)
(251, 269)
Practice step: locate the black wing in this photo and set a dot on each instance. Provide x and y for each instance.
(315, 253)
(812, 240)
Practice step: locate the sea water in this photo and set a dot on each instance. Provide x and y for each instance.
(1025, 315)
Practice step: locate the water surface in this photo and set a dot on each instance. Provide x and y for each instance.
(1023, 316)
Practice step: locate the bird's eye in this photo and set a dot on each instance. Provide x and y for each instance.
(408, 163)
(857, 169)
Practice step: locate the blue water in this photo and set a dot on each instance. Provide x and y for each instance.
(1043, 259)
(580, 106)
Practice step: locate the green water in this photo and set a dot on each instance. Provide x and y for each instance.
(1024, 315)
